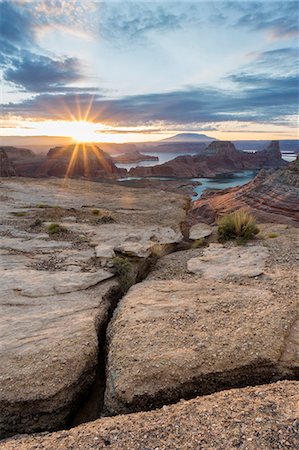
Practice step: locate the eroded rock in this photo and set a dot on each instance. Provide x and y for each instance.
(219, 262)
(54, 295)
(172, 339)
(199, 231)
(260, 417)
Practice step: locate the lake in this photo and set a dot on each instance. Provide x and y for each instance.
(222, 181)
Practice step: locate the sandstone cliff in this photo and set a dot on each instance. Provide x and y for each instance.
(71, 161)
(271, 196)
(218, 157)
(6, 167)
(16, 153)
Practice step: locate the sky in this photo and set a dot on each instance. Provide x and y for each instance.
(135, 71)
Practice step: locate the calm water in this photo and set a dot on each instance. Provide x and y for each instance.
(223, 181)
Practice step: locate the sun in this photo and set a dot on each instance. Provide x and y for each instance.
(82, 131)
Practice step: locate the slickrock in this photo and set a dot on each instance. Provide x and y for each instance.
(55, 294)
(174, 339)
(271, 197)
(218, 262)
(127, 239)
(262, 417)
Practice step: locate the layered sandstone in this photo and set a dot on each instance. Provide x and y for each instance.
(271, 197)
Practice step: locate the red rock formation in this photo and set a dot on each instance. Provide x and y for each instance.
(72, 161)
(271, 197)
(133, 157)
(16, 153)
(218, 157)
(6, 167)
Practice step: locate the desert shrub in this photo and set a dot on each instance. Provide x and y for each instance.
(239, 225)
(96, 212)
(124, 270)
(272, 235)
(121, 266)
(55, 228)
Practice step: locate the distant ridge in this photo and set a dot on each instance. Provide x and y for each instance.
(189, 137)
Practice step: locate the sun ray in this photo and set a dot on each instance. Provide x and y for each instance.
(86, 161)
(72, 161)
(103, 162)
(88, 109)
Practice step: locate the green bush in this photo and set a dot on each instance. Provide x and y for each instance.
(239, 225)
(121, 266)
(55, 228)
(124, 270)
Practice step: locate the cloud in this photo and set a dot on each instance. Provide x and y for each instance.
(133, 20)
(16, 27)
(37, 73)
(286, 57)
(279, 18)
(253, 99)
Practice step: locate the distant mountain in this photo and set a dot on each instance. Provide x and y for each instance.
(189, 137)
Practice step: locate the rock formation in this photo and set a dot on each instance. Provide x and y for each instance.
(56, 291)
(271, 196)
(218, 157)
(6, 167)
(72, 161)
(17, 153)
(133, 157)
(260, 417)
(174, 339)
(79, 161)
(206, 318)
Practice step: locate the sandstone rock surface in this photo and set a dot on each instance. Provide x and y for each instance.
(199, 231)
(260, 417)
(218, 262)
(171, 339)
(55, 296)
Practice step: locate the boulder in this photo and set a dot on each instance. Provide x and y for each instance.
(218, 262)
(199, 231)
(174, 339)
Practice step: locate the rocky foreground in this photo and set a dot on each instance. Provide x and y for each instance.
(57, 289)
(273, 196)
(263, 417)
(204, 318)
